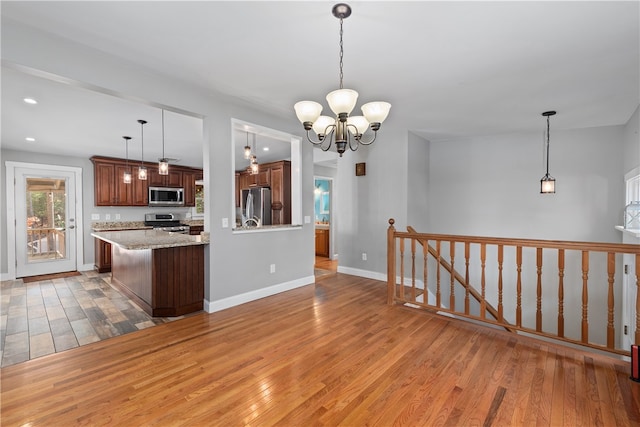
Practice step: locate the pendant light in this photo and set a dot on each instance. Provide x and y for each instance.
(255, 168)
(247, 149)
(142, 169)
(127, 173)
(548, 183)
(163, 163)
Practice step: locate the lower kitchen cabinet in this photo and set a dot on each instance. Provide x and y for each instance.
(322, 242)
(196, 229)
(102, 256)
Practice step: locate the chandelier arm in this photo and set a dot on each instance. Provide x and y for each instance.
(327, 135)
(375, 134)
(351, 146)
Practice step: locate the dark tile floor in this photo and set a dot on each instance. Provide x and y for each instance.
(51, 316)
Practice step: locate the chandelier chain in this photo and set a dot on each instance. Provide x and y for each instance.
(341, 54)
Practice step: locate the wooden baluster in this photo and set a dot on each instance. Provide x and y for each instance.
(539, 290)
(561, 293)
(637, 268)
(519, 286)
(425, 254)
(413, 269)
(500, 261)
(402, 269)
(438, 294)
(483, 283)
(452, 294)
(466, 277)
(611, 271)
(585, 296)
(391, 262)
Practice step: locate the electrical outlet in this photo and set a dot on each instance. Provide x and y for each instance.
(95, 217)
(107, 216)
(307, 219)
(364, 256)
(225, 222)
(272, 268)
(117, 216)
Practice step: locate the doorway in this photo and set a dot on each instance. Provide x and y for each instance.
(43, 219)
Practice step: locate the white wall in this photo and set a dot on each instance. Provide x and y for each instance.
(418, 183)
(367, 202)
(237, 264)
(490, 186)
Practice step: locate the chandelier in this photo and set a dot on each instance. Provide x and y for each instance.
(343, 129)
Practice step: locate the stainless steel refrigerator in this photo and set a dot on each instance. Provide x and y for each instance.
(256, 207)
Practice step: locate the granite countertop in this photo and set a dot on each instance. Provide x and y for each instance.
(149, 239)
(119, 225)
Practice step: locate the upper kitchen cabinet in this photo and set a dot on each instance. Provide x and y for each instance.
(109, 186)
(173, 179)
(110, 189)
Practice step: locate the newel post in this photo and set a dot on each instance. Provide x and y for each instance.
(391, 262)
(637, 337)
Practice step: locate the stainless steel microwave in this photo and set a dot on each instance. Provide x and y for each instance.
(166, 196)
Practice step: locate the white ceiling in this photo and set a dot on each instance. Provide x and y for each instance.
(450, 69)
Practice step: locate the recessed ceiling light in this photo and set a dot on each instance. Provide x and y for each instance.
(30, 139)
(265, 148)
(30, 101)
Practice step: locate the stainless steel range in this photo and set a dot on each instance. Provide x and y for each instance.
(165, 222)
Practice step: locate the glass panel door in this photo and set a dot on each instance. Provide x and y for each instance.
(44, 222)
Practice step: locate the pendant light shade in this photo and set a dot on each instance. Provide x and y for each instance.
(548, 183)
(142, 169)
(127, 173)
(163, 163)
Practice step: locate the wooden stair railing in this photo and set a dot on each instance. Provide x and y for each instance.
(464, 281)
(582, 298)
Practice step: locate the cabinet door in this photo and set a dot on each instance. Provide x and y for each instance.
(322, 243)
(139, 190)
(174, 179)
(264, 177)
(104, 190)
(123, 191)
(102, 256)
(155, 179)
(277, 193)
(189, 182)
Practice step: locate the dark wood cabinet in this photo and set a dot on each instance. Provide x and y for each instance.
(277, 176)
(189, 183)
(104, 179)
(172, 179)
(322, 242)
(110, 189)
(102, 255)
(196, 229)
(164, 282)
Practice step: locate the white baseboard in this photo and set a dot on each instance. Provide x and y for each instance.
(6, 276)
(213, 306)
(363, 273)
(85, 267)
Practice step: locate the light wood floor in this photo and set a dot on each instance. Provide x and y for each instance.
(329, 354)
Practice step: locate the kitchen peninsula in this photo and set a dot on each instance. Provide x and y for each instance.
(163, 272)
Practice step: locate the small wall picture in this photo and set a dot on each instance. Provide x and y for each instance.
(361, 169)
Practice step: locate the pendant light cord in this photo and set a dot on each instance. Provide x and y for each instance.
(163, 158)
(547, 145)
